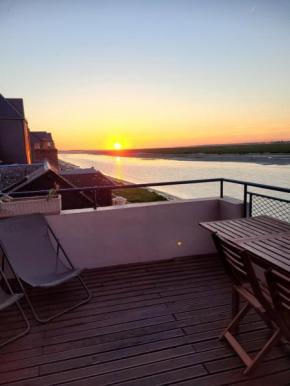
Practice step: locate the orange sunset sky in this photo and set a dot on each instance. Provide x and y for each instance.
(149, 73)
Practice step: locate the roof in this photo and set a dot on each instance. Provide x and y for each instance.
(86, 177)
(15, 174)
(38, 136)
(79, 171)
(11, 108)
(15, 177)
(17, 103)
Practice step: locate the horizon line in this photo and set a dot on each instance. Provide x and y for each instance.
(191, 146)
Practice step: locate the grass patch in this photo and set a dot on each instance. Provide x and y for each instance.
(137, 195)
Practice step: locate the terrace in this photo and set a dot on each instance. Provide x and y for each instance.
(160, 299)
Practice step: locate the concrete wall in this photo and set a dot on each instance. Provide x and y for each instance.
(140, 232)
(230, 208)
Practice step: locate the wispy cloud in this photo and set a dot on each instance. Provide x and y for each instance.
(245, 127)
(253, 8)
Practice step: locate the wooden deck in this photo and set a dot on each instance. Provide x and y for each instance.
(147, 324)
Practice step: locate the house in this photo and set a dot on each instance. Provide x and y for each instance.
(43, 147)
(37, 137)
(19, 145)
(45, 176)
(90, 177)
(14, 133)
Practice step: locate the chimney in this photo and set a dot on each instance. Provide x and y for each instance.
(48, 153)
(37, 145)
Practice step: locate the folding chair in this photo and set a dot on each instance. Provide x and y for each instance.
(8, 299)
(279, 286)
(26, 242)
(239, 268)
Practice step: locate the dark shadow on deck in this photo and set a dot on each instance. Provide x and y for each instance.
(147, 324)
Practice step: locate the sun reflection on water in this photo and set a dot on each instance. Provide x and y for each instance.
(119, 171)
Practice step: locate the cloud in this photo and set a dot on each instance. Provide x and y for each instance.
(253, 8)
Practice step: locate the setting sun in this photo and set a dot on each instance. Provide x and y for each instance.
(117, 146)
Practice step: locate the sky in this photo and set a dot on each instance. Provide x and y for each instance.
(149, 73)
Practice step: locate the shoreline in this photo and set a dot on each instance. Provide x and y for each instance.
(68, 166)
(169, 197)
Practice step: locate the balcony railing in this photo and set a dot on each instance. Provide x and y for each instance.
(272, 206)
(254, 203)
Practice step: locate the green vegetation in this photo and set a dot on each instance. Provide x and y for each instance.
(225, 149)
(137, 195)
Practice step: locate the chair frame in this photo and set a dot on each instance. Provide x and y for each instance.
(20, 310)
(257, 301)
(276, 279)
(19, 280)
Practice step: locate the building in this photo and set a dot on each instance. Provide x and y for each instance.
(45, 176)
(90, 177)
(37, 137)
(14, 133)
(43, 147)
(19, 145)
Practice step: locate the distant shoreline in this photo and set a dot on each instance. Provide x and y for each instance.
(262, 159)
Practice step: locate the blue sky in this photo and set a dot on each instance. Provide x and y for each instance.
(149, 72)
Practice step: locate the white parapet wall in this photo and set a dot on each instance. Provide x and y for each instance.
(140, 232)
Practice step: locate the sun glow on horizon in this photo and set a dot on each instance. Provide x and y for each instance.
(117, 146)
(126, 78)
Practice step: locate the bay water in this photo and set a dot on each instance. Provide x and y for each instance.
(148, 170)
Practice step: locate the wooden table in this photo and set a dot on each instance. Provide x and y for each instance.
(271, 250)
(267, 239)
(247, 227)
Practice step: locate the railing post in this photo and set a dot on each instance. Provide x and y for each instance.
(251, 204)
(110, 197)
(245, 199)
(222, 189)
(3, 267)
(95, 199)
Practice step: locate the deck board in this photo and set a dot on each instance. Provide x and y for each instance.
(147, 324)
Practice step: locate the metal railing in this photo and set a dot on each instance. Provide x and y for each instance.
(250, 206)
(274, 207)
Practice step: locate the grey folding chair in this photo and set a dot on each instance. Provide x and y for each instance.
(26, 242)
(8, 299)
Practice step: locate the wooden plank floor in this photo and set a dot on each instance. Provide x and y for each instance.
(147, 324)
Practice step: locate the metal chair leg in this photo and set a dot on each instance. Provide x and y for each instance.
(45, 320)
(22, 333)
